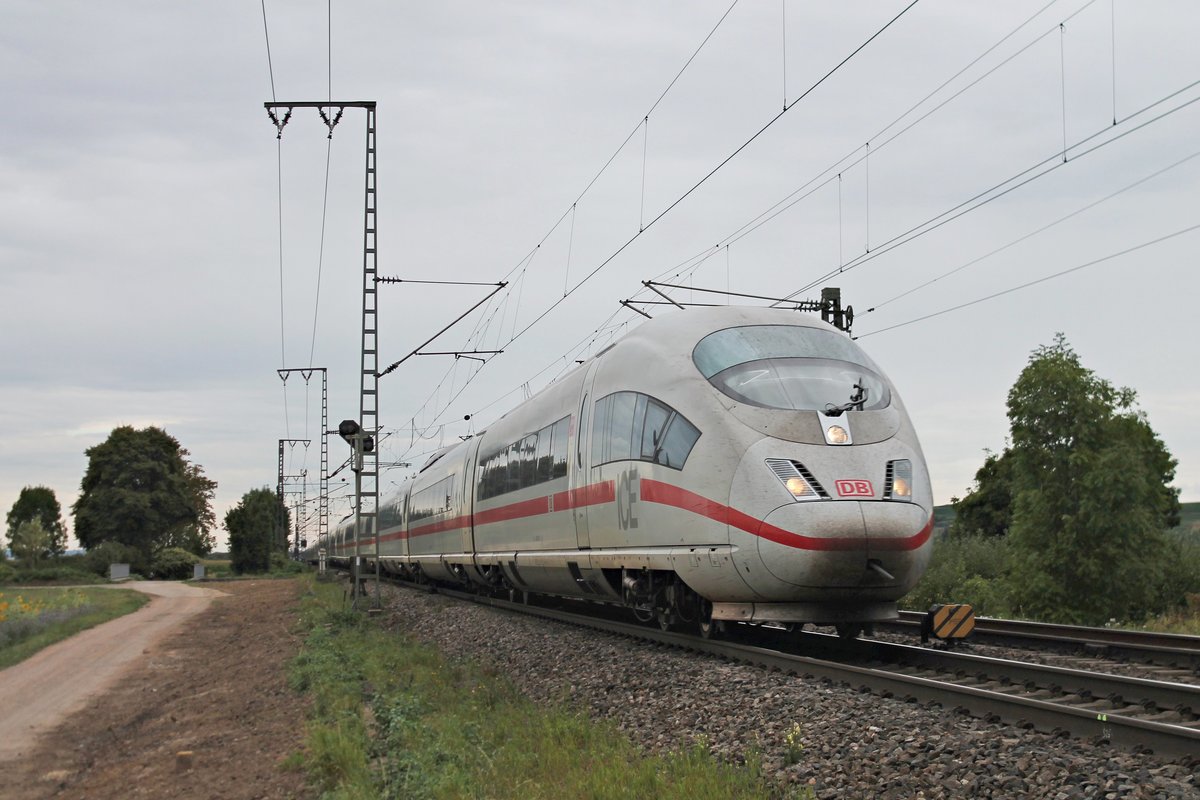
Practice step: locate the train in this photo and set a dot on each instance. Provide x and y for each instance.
(716, 465)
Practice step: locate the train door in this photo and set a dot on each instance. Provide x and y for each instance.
(465, 502)
(580, 462)
(405, 545)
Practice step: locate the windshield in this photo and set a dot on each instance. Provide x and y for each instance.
(791, 367)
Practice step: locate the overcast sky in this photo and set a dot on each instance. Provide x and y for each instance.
(140, 266)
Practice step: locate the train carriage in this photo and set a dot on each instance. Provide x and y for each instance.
(729, 463)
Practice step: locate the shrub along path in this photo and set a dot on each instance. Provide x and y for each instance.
(211, 683)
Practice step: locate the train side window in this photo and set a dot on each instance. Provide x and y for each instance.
(620, 426)
(512, 469)
(655, 426)
(528, 459)
(560, 448)
(680, 438)
(543, 454)
(634, 426)
(487, 467)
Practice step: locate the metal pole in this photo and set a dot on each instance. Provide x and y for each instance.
(354, 572)
(378, 604)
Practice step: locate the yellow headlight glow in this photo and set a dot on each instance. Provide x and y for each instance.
(901, 488)
(799, 487)
(837, 435)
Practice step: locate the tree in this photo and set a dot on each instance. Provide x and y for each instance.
(39, 503)
(31, 542)
(139, 490)
(987, 508)
(197, 537)
(1091, 494)
(255, 526)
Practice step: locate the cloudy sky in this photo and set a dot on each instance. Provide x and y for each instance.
(144, 196)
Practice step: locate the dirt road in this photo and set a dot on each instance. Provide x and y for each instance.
(37, 694)
(195, 671)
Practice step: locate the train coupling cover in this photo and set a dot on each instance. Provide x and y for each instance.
(948, 623)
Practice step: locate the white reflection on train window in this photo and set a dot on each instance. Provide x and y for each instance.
(724, 349)
(800, 384)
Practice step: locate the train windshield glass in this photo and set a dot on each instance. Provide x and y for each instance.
(790, 367)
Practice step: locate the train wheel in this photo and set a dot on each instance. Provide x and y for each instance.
(848, 631)
(709, 628)
(665, 618)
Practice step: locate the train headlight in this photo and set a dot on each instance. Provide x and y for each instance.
(898, 483)
(836, 434)
(799, 487)
(799, 482)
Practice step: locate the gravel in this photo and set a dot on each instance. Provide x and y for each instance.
(1070, 660)
(853, 744)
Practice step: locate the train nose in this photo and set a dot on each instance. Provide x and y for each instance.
(848, 544)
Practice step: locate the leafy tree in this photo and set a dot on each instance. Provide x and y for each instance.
(39, 503)
(256, 525)
(31, 542)
(1090, 494)
(174, 564)
(139, 490)
(987, 508)
(197, 537)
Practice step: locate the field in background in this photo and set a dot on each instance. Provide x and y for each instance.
(34, 617)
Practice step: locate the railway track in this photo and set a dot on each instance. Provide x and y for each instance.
(1133, 713)
(1174, 651)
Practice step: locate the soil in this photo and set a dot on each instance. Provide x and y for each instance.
(204, 713)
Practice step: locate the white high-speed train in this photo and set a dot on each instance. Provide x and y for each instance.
(720, 464)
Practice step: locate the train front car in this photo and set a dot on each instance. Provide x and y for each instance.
(786, 474)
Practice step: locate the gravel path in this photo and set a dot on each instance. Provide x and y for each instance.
(854, 744)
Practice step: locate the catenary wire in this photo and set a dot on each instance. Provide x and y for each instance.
(1003, 188)
(673, 205)
(1035, 282)
(1033, 233)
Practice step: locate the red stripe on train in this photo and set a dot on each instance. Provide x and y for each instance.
(667, 494)
(653, 491)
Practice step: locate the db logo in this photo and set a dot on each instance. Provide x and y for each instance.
(857, 488)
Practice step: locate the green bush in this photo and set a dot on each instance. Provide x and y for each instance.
(105, 553)
(966, 569)
(281, 563)
(174, 564)
(7, 573)
(53, 573)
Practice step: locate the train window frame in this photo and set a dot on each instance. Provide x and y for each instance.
(780, 354)
(560, 458)
(522, 460)
(728, 347)
(601, 438)
(784, 375)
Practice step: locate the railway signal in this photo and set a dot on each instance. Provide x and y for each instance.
(361, 442)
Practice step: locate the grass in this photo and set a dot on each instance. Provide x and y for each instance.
(1184, 620)
(32, 618)
(222, 569)
(391, 718)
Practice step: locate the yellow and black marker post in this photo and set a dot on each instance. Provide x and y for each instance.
(950, 621)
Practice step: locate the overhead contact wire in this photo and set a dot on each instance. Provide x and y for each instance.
(994, 193)
(699, 183)
(1042, 229)
(573, 208)
(1026, 285)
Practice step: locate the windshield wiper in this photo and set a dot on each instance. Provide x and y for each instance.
(857, 399)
